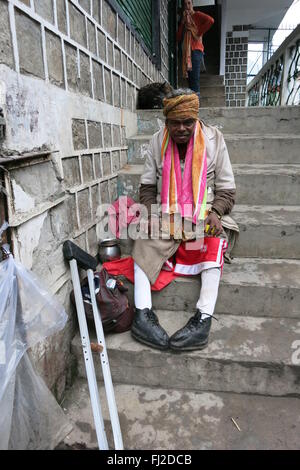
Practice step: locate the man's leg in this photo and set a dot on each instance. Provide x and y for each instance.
(210, 280)
(194, 335)
(145, 327)
(149, 257)
(142, 289)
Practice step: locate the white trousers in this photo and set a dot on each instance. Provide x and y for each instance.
(210, 280)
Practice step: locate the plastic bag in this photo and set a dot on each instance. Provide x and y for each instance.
(28, 314)
(36, 412)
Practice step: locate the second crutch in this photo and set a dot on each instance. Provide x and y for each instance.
(77, 257)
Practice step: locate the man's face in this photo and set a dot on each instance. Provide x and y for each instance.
(188, 5)
(181, 130)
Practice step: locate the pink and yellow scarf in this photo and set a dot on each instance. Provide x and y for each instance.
(187, 195)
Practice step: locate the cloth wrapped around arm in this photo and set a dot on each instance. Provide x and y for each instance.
(224, 201)
(224, 184)
(147, 195)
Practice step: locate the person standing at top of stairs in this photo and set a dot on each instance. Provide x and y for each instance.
(188, 172)
(192, 27)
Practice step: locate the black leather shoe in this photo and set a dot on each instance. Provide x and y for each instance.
(146, 329)
(194, 335)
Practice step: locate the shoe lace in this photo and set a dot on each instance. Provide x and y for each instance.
(194, 321)
(152, 317)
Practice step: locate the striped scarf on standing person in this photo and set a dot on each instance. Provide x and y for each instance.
(187, 47)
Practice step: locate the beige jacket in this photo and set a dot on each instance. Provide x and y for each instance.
(150, 254)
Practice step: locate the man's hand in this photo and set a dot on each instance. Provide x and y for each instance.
(215, 225)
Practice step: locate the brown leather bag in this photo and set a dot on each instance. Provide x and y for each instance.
(115, 311)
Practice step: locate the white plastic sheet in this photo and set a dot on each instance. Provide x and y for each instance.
(30, 418)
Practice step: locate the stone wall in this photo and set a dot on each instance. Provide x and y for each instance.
(80, 46)
(69, 74)
(236, 62)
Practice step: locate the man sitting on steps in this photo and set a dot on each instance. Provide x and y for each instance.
(188, 173)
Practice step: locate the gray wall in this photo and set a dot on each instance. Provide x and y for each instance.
(69, 74)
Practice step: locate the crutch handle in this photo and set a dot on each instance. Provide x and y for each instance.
(84, 260)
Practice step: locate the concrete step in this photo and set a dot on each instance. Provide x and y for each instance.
(242, 148)
(263, 148)
(211, 80)
(267, 184)
(267, 231)
(128, 181)
(137, 146)
(212, 91)
(252, 120)
(212, 101)
(245, 355)
(165, 419)
(260, 184)
(249, 287)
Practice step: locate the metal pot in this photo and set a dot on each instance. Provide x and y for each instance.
(109, 250)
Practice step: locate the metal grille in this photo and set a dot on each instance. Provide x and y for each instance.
(272, 84)
(253, 99)
(140, 14)
(293, 79)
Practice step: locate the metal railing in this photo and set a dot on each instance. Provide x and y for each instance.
(278, 82)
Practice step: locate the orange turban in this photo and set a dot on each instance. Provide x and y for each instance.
(182, 107)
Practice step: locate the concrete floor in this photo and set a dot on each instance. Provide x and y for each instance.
(160, 419)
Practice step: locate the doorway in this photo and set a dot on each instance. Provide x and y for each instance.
(211, 41)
